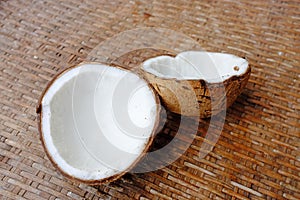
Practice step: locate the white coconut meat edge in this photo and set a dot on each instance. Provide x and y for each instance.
(85, 136)
(195, 65)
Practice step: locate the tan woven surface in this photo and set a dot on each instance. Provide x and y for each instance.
(258, 153)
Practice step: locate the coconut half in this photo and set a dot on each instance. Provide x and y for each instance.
(196, 83)
(97, 121)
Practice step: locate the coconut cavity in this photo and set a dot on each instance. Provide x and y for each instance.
(195, 65)
(97, 120)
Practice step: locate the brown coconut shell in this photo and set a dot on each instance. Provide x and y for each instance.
(197, 97)
(39, 111)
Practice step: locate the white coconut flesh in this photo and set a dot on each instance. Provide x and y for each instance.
(96, 120)
(194, 65)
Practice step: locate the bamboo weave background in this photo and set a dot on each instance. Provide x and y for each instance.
(258, 153)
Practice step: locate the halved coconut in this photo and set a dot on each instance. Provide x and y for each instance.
(97, 121)
(196, 83)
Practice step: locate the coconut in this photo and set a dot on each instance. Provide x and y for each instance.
(195, 83)
(97, 121)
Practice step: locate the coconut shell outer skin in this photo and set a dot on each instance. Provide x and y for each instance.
(39, 112)
(198, 97)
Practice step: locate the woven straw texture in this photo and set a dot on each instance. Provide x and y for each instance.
(258, 153)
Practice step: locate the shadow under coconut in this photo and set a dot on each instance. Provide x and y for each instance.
(174, 136)
(244, 101)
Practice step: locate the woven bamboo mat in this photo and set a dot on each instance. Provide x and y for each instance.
(258, 153)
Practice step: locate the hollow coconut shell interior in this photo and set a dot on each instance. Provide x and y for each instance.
(196, 83)
(96, 121)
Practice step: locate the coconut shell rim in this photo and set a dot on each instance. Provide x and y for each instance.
(121, 173)
(248, 70)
